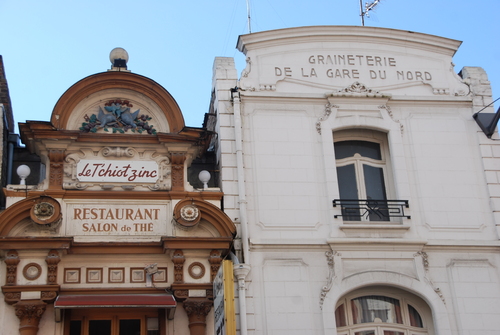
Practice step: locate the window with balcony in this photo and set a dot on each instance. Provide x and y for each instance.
(363, 175)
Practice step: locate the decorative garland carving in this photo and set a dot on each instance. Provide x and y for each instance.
(52, 260)
(178, 259)
(389, 111)
(358, 89)
(215, 261)
(11, 259)
(324, 291)
(328, 111)
(425, 262)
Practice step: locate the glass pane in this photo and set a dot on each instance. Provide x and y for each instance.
(340, 316)
(346, 177)
(367, 309)
(75, 327)
(130, 327)
(152, 326)
(365, 332)
(375, 190)
(346, 149)
(415, 319)
(100, 327)
(393, 332)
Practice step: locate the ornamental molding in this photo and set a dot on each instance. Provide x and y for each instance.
(358, 89)
(328, 111)
(330, 258)
(425, 263)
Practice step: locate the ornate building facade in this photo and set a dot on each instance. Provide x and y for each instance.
(349, 177)
(366, 193)
(114, 240)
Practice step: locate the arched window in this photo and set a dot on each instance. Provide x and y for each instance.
(361, 158)
(382, 311)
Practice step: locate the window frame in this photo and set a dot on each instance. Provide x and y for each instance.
(115, 315)
(405, 299)
(373, 136)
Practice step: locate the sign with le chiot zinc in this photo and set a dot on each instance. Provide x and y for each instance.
(117, 219)
(117, 171)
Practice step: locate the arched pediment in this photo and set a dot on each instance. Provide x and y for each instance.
(87, 96)
(40, 209)
(189, 212)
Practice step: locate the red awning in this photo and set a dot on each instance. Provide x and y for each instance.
(115, 300)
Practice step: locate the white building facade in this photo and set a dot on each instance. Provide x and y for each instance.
(364, 193)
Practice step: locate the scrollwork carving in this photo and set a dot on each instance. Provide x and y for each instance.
(178, 259)
(324, 291)
(215, 261)
(11, 259)
(118, 152)
(52, 260)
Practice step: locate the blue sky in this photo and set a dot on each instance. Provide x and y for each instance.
(47, 46)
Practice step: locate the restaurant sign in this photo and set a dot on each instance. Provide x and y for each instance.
(117, 171)
(123, 219)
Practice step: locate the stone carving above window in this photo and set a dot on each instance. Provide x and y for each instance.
(117, 117)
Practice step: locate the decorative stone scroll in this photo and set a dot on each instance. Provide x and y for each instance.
(52, 260)
(215, 260)
(178, 259)
(11, 259)
(56, 158)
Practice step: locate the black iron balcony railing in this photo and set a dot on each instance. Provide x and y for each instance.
(370, 209)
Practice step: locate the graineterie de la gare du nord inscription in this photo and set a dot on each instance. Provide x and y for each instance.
(95, 219)
(352, 66)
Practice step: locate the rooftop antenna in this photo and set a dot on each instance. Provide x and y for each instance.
(368, 7)
(248, 14)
